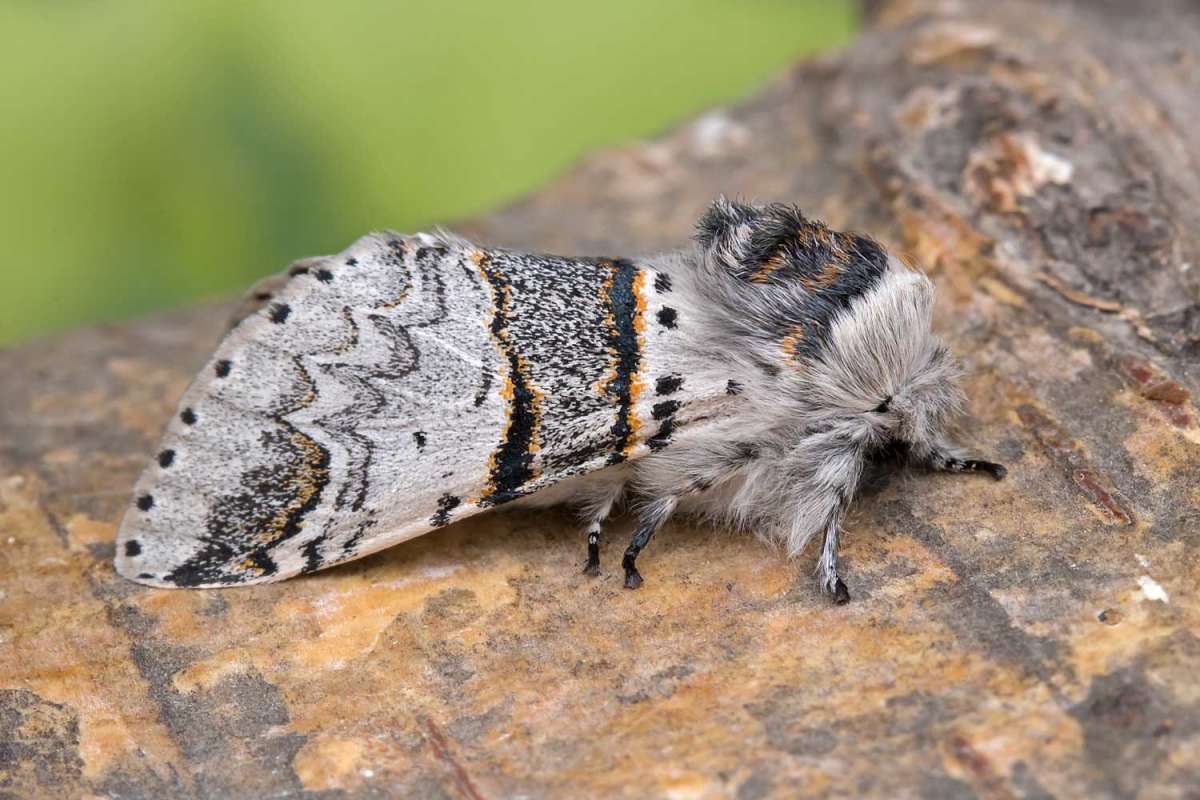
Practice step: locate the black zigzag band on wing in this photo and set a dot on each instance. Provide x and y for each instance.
(511, 464)
(242, 529)
(625, 306)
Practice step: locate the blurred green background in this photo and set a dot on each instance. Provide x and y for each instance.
(154, 152)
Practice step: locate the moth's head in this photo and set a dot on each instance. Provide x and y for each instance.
(914, 417)
(847, 326)
(883, 371)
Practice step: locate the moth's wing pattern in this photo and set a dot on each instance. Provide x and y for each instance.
(404, 383)
(350, 402)
(263, 292)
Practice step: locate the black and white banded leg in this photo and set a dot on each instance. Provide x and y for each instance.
(828, 561)
(650, 519)
(596, 513)
(944, 461)
(592, 567)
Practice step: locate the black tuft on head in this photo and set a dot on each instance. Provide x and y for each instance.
(779, 225)
(805, 275)
(721, 221)
(776, 243)
(759, 244)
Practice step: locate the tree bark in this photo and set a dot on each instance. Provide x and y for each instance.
(1029, 638)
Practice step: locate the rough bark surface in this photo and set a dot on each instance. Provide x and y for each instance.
(1031, 638)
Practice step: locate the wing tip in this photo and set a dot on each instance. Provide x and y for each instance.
(134, 569)
(157, 576)
(132, 563)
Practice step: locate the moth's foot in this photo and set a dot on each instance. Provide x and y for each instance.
(633, 579)
(997, 471)
(949, 464)
(841, 595)
(592, 569)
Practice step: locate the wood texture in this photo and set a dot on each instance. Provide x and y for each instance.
(1031, 638)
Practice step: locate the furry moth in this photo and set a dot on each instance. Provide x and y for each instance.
(373, 396)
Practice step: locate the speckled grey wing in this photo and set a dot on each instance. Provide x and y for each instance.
(335, 420)
(263, 292)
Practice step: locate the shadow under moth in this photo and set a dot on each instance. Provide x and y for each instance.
(373, 396)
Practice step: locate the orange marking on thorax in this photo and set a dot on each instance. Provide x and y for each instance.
(764, 272)
(823, 279)
(791, 342)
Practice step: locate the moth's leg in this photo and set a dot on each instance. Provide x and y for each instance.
(597, 512)
(650, 519)
(827, 563)
(688, 472)
(946, 460)
(592, 567)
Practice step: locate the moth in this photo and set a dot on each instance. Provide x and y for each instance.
(380, 394)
